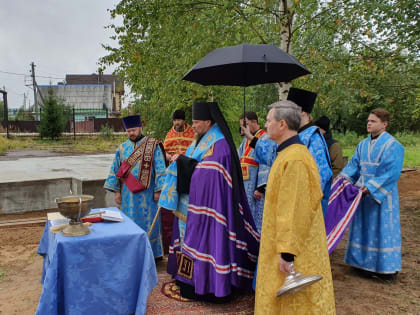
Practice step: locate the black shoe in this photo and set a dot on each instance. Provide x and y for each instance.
(188, 291)
(387, 277)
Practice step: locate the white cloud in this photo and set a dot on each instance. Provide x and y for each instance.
(60, 36)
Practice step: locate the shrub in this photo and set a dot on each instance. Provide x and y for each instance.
(106, 132)
(53, 121)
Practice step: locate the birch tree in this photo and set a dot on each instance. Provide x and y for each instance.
(350, 46)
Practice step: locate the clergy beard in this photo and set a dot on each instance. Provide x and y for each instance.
(179, 128)
(135, 139)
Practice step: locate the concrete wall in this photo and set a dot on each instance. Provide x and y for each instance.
(19, 197)
(103, 198)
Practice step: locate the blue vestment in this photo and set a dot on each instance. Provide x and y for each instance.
(374, 242)
(266, 152)
(170, 199)
(140, 207)
(255, 175)
(315, 142)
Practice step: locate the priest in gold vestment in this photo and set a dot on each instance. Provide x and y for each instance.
(293, 229)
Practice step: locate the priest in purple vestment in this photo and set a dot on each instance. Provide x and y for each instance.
(219, 241)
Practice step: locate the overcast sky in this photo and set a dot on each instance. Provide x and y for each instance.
(60, 36)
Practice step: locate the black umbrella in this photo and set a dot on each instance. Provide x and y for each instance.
(246, 65)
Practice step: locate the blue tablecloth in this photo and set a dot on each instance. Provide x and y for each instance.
(110, 271)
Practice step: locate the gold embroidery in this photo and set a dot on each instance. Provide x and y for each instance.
(178, 257)
(186, 266)
(209, 152)
(204, 144)
(245, 171)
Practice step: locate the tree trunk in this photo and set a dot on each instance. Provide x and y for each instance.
(286, 22)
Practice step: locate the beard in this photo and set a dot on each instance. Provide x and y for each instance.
(179, 128)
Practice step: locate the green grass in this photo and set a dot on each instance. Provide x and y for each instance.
(410, 141)
(8, 144)
(108, 143)
(92, 144)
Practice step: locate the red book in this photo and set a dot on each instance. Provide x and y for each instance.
(93, 219)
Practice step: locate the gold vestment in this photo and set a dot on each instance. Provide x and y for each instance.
(293, 223)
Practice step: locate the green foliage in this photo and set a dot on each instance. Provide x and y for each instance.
(362, 54)
(408, 139)
(24, 115)
(349, 139)
(106, 132)
(361, 60)
(53, 118)
(159, 42)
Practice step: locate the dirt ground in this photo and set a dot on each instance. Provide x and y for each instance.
(20, 266)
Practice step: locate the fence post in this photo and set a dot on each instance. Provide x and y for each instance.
(74, 124)
(106, 111)
(6, 112)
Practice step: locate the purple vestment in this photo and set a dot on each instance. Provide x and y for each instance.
(222, 242)
(342, 205)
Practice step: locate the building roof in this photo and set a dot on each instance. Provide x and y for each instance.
(94, 78)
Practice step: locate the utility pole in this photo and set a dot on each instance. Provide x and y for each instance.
(34, 86)
(6, 111)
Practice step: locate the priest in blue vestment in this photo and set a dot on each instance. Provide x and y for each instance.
(214, 242)
(374, 242)
(310, 135)
(136, 178)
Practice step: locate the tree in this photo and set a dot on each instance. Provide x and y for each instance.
(160, 40)
(53, 121)
(1, 111)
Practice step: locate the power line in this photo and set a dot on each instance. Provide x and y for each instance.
(11, 73)
(38, 76)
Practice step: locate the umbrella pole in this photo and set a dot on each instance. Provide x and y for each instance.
(244, 107)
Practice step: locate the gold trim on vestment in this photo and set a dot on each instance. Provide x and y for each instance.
(186, 266)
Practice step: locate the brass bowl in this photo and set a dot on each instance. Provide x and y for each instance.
(75, 207)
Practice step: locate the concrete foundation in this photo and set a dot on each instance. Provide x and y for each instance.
(32, 184)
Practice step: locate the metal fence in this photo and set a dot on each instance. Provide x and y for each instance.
(15, 114)
(78, 121)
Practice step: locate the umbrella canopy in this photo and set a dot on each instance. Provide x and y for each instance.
(246, 65)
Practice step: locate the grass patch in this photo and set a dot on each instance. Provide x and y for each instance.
(2, 274)
(11, 144)
(410, 141)
(91, 144)
(108, 142)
